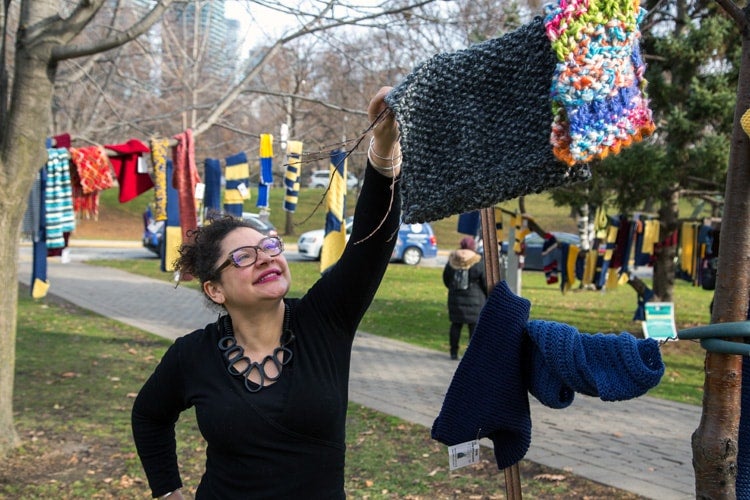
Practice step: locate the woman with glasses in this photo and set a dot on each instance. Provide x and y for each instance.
(269, 379)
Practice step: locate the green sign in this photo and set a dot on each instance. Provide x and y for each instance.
(659, 322)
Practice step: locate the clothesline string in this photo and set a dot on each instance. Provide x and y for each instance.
(310, 157)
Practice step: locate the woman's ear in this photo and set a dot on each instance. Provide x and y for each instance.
(214, 292)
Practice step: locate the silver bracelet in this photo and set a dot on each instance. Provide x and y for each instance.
(395, 161)
(168, 494)
(383, 170)
(372, 149)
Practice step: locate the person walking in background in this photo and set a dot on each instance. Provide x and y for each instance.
(464, 277)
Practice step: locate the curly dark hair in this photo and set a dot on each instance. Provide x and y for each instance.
(199, 255)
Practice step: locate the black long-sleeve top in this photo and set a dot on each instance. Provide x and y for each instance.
(288, 439)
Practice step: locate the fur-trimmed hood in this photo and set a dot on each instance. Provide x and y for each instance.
(463, 258)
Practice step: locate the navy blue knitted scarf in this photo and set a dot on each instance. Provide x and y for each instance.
(487, 396)
(509, 357)
(613, 367)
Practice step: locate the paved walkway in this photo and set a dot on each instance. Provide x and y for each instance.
(642, 445)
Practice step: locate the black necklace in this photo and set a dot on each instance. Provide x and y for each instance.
(234, 353)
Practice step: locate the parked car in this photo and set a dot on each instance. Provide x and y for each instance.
(415, 241)
(533, 243)
(153, 231)
(321, 179)
(310, 244)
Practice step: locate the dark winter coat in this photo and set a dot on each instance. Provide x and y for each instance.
(464, 277)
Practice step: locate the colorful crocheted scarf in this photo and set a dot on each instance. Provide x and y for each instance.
(598, 98)
(90, 175)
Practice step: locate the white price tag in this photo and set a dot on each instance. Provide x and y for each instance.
(142, 166)
(243, 190)
(463, 454)
(200, 191)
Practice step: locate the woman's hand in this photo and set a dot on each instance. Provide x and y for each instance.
(384, 151)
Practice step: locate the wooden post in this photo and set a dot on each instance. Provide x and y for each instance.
(492, 274)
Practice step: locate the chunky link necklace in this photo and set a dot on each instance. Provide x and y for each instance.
(234, 353)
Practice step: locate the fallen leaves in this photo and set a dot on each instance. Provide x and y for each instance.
(552, 478)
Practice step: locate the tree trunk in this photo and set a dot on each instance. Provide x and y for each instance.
(289, 224)
(22, 154)
(715, 441)
(8, 300)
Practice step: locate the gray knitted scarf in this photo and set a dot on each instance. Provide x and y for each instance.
(475, 127)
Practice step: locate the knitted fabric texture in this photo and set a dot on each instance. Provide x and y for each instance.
(598, 96)
(159, 164)
(475, 127)
(91, 173)
(742, 483)
(487, 396)
(58, 198)
(236, 173)
(36, 223)
(61, 141)
(212, 176)
(184, 179)
(745, 122)
(614, 367)
(265, 174)
(125, 164)
(292, 174)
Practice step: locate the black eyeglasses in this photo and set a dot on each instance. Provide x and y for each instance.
(246, 256)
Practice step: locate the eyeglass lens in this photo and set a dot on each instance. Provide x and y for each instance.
(246, 256)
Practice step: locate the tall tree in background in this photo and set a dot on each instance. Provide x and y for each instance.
(28, 71)
(692, 54)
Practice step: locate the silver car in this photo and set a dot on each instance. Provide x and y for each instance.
(310, 244)
(321, 179)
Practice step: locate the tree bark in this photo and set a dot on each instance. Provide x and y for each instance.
(715, 441)
(664, 267)
(22, 154)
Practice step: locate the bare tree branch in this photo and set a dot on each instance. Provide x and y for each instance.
(306, 29)
(236, 130)
(229, 98)
(699, 193)
(706, 182)
(711, 200)
(73, 25)
(736, 13)
(63, 52)
(328, 105)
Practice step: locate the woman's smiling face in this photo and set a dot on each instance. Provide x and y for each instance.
(267, 279)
